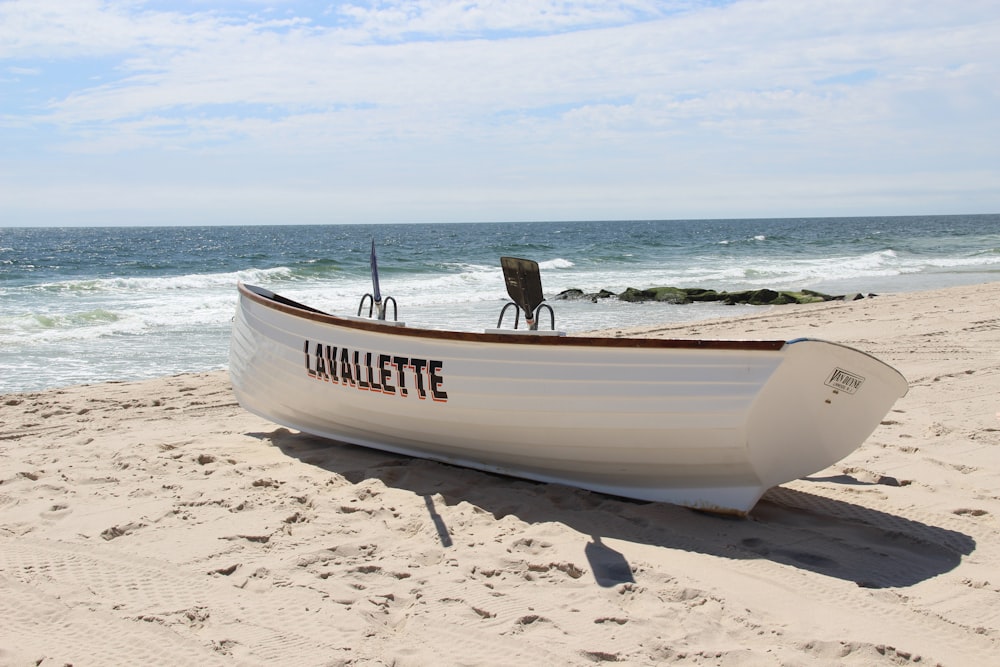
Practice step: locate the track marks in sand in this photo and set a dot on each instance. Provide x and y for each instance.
(520, 555)
(118, 406)
(92, 635)
(518, 600)
(100, 596)
(939, 538)
(859, 652)
(888, 555)
(279, 546)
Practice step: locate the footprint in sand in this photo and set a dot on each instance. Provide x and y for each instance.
(56, 511)
(970, 512)
(529, 545)
(117, 531)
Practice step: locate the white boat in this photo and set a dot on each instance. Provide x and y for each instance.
(707, 424)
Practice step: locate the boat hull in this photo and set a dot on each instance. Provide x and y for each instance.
(704, 424)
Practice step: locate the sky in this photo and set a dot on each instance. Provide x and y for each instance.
(134, 112)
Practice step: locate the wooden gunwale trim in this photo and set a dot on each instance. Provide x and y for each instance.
(301, 311)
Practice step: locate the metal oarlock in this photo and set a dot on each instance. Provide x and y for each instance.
(378, 308)
(532, 322)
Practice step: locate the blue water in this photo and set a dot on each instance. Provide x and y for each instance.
(80, 305)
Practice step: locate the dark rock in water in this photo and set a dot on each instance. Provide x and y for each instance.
(632, 294)
(567, 294)
(763, 297)
(816, 296)
(667, 294)
(698, 294)
(574, 294)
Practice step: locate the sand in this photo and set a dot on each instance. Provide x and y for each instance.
(158, 523)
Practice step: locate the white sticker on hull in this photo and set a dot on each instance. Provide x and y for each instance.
(845, 381)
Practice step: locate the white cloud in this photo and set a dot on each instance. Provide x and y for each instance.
(508, 96)
(440, 18)
(24, 71)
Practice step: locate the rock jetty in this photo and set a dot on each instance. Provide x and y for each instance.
(684, 295)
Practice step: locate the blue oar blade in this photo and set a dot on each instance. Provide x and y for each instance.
(377, 294)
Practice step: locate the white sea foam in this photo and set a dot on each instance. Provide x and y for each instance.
(956, 262)
(158, 283)
(557, 263)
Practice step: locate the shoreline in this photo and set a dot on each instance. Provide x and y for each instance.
(36, 370)
(156, 521)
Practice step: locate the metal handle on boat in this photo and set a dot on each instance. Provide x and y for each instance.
(517, 314)
(378, 308)
(382, 309)
(362, 304)
(552, 315)
(531, 322)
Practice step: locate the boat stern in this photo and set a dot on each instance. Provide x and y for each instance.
(820, 405)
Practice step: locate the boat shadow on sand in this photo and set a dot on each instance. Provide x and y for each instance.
(831, 537)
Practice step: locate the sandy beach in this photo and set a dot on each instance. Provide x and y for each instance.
(157, 522)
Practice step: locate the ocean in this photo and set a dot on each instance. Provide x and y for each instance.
(85, 305)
